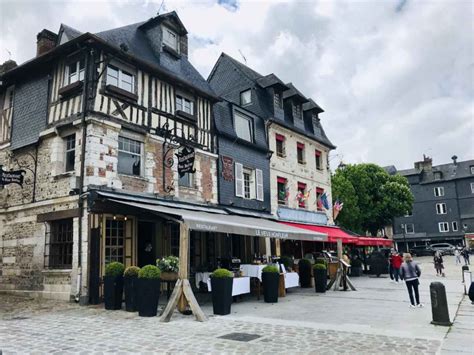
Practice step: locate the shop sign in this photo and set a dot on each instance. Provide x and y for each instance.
(227, 168)
(186, 156)
(11, 177)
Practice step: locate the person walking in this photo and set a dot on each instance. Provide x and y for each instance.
(465, 255)
(457, 255)
(438, 263)
(396, 262)
(390, 266)
(410, 272)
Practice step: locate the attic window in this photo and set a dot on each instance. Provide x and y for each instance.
(246, 97)
(297, 111)
(170, 38)
(437, 175)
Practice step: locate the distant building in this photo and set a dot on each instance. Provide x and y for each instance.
(443, 211)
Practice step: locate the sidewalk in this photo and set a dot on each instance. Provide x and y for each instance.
(460, 338)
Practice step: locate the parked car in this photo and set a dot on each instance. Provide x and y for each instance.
(444, 248)
(422, 250)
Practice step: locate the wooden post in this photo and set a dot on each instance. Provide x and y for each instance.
(183, 294)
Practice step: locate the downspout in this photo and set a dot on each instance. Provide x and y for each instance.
(85, 100)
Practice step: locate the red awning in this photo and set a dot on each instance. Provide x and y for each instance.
(334, 233)
(372, 241)
(279, 137)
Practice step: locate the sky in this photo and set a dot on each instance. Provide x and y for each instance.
(395, 77)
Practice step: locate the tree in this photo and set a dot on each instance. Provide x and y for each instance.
(371, 197)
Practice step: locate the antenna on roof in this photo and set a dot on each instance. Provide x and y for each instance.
(9, 54)
(243, 57)
(161, 6)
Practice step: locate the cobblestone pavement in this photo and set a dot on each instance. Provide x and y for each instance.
(374, 320)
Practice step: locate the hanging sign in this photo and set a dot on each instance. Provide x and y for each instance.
(186, 156)
(227, 168)
(11, 177)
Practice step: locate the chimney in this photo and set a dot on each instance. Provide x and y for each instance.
(45, 41)
(455, 159)
(426, 164)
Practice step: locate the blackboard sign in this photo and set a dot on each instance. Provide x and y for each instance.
(11, 177)
(186, 156)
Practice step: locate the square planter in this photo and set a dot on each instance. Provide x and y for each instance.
(113, 292)
(130, 286)
(149, 295)
(270, 286)
(320, 280)
(221, 294)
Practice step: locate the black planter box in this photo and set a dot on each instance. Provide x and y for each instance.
(270, 286)
(130, 287)
(471, 292)
(356, 271)
(113, 292)
(149, 295)
(320, 280)
(305, 276)
(221, 294)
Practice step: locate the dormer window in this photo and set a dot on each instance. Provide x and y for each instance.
(437, 175)
(170, 38)
(246, 97)
(277, 101)
(297, 111)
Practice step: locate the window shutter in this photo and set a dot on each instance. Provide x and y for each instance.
(239, 180)
(259, 175)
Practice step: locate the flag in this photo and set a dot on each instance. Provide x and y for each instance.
(319, 203)
(337, 208)
(324, 201)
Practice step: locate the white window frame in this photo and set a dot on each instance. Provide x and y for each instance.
(141, 154)
(438, 191)
(413, 228)
(181, 102)
(174, 44)
(441, 226)
(68, 150)
(243, 99)
(120, 81)
(79, 73)
(441, 208)
(238, 115)
(472, 169)
(472, 187)
(454, 226)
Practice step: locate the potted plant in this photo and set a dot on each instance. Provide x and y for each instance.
(169, 267)
(287, 262)
(304, 266)
(356, 267)
(113, 285)
(221, 285)
(270, 279)
(130, 287)
(149, 289)
(320, 277)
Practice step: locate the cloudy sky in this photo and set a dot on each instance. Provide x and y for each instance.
(395, 77)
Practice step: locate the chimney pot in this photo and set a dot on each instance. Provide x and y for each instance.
(455, 159)
(45, 41)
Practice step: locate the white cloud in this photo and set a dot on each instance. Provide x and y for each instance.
(395, 78)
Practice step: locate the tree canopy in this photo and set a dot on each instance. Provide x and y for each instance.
(371, 197)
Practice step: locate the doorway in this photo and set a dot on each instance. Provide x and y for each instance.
(146, 244)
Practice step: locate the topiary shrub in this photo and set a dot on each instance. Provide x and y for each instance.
(304, 266)
(149, 272)
(114, 269)
(271, 268)
(322, 261)
(220, 273)
(286, 261)
(319, 266)
(131, 271)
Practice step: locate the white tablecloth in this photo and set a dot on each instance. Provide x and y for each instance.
(240, 285)
(202, 276)
(252, 270)
(292, 279)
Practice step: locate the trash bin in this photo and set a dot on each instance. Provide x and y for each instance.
(439, 304)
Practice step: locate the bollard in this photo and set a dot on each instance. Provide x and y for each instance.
(439, 304)
(464, 268)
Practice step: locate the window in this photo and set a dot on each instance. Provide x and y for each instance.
(439, 191)
(129, 156)
(409, 228)
(472, 169)
(282, 191)
(472, 187)
(170, 38)
(60, 244)
(70, 152)
(455, 226)
(246, 97)
(319, 160)
(280, 145)
(297, 112)
(300, 153)
(319, 203)
(75, 72)
(243, 126)
(184, 104)
(301, 195)
(437, 175)
(443, 227)
(120, 78)
(187, 180)
(277, 100)
(114, 240)
(441, 208)
(248, 182)
(9, 96)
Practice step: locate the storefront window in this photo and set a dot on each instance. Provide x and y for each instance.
(114, 240)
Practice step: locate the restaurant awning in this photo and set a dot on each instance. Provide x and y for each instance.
(226, 223)
(333, 233)
(372, 241)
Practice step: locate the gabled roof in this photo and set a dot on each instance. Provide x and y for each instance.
(311, 105)
(293, 92)
(271, 80)
(172, 16)
(69, 33)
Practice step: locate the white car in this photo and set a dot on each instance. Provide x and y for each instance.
(444, 248)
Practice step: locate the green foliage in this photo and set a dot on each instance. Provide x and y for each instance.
(168, 264)
(304, 264)
(286, 261)
(114, 269)
(322, 261)
(219, 273)
(131, 271)
(149, 272)
(270, 268)
(319, 267)
(371, 197)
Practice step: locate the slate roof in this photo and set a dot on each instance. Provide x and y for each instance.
(271, 80)
(310, 105)
(292, 91)
(448, 171)
(70, 32)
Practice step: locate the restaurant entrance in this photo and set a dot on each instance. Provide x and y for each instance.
(146, 243)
